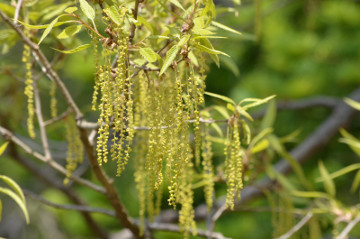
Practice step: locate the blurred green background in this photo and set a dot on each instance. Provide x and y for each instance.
(293, 49)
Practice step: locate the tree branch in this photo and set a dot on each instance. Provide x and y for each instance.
(10, 136)
(349, 227)
(297, 227)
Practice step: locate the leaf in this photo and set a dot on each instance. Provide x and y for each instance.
(170, 57)
(70, 9)
(178, 4)
(183, 40)
(243, 112)
(114, 14)
(193, 58)
(217, 128)
(3, 147)
(348, 139)
(260, 146)
(87, 9)
(222, 110)
(353, 103)
(142, 20)
(356, 182)
(255, 102)
(14, 186)
(328, 182)
(270, 115)
(18, 200)
(44, 26)
(231, 65)
(208, 44)
(280, 178)
(341, 172)
(261, 135)
(0, 209)
(221, 97)
(69, 31)
(310, 194)
(77, 49)
(48, 29)
(210, 50)
(226, 28)
(149, 54)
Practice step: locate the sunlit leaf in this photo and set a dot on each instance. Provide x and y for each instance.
(261, 135)
(226, 28)
(328, 182)
(310, 194)
(270, 115)
(70, 9)
(44, 26)
(221, 97)
(77, 49)
(353, 103)
(193, 58)
(222, 110)
(142, 20)
(0, 209)
(356, 182)
(183, 40)
(69, 31)
(255, 102)
(49, 28)
(170, 57)
(243, 112)
(341, 172)
(350, 140)
(260, 146)
(210, 50)
(18, 200)
(149, 54)
(13, 185)
(87, 9)
(3, 147)
(114, 14)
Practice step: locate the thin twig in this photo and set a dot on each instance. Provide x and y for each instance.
(17, 11)
(349, 227)
(43, 135)
(10, 136)
(133, 26)
(81, 208)
(298, 226)
(58, 118)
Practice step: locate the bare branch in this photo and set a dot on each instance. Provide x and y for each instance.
(17, 11)
(349, 227)
(10, 136)
(298, 226)
(81, 208)
(58, 118)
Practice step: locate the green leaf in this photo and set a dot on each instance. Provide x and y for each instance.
(222, 110)
(142, 20)
(170, 57)
(77, 49)
(231, 65)
(183, 40)
(44, 26)
(193, 58)
(310, 194)
(149, 54)
(114, 14)
(13, 185)
(255, 102)
(356, 182)
(261, 135)
(352, 103)
(221, 97)
(217, 128)
(178, 4)
(270, 115)
(70, 9)
(208, 44)
(243, 112)
(18, 200)
(226, 28)
(210, 50)
(3, 147)
(273, 174)
(350, 140)
(260, 146)
(0, 209)
(328, 182)
(87, 9)
(69, 31)
(341, 172)
(48, 29)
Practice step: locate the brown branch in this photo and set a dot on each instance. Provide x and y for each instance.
(45, 66)
(81, 208)
(133, 26)
(58, 118)
(10, 136)
(111, 192)
(48, 178)
(297, 227)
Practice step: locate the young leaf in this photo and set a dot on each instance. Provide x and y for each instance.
(328, 182)
(222, 110)
(43, 26)
(352, 103)
(3, 147)
(243, 112)
(183, 40)
(48, 29)
(207, 43)
(87, 9)
(142, 20)
(69, 31)
(149, 54)
(70, 9)
(170, 57)
(77, 49)
(178, 4)
(13, 185)
(309, 194)
(341, 172)
(0, 209)
(221, 97)
(210, 50)
(18, 200)
(226, 28)
(114, 14)
(256, 102)
(356, 182)
(270, 115)
(350, 140)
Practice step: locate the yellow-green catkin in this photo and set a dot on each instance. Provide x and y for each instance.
(53, 100)
(208, 171)
(29, 90)
(97, 72)
(75, 150)
(233, 164)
